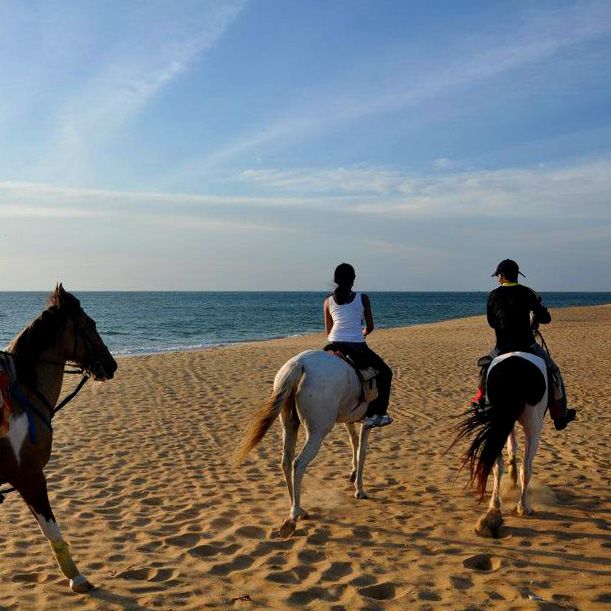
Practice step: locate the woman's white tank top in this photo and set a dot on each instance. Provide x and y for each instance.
(347, 320)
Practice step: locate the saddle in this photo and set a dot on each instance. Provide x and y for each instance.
(367, 378)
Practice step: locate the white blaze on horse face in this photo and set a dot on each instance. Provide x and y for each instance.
(17, 434)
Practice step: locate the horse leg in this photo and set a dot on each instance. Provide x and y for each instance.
(362, 453)
(34, 493)
(512, 450)
(290, 427)
(354, 442)
(308, 452)
(488, 525)
(530, 449)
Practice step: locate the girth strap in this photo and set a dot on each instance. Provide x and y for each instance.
(30, 409)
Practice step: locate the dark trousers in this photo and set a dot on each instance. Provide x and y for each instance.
(363, 356)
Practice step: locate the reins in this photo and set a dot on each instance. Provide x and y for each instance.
(539, 335)
(53, 409)
(29, 407)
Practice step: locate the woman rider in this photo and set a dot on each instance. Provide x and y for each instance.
(344, 312)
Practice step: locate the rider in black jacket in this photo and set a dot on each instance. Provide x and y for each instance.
(513, 312)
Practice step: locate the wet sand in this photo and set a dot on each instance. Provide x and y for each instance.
(157, 517)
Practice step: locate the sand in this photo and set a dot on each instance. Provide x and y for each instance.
(157, 517)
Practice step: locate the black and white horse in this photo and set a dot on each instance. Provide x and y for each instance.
(517, 391)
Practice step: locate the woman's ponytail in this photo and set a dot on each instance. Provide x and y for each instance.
(344, 278)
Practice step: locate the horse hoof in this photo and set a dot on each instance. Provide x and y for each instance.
(494, 519)
(488, 525)
(360, 494)
(287, 528)
(80, 585)
(523, 511)
(483, 530)
(300, 514)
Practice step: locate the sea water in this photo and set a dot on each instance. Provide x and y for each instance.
(147, 322)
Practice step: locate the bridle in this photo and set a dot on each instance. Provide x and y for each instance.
(77, 369)
(95, 368)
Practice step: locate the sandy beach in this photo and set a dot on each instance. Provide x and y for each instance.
(142, 484)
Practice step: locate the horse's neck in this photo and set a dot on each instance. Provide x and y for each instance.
(50, 375)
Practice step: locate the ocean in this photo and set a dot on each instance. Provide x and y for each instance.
(149, 322)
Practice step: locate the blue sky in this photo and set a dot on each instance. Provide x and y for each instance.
(256, 144)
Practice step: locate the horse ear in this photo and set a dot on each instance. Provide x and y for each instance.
(58, 294)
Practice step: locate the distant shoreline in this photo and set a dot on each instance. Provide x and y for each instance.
(303, 336)
(133, 323)
(287, 292)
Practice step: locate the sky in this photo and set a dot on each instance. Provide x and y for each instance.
(256, 144)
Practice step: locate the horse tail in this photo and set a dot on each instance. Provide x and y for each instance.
(511, 385)
(283, 396)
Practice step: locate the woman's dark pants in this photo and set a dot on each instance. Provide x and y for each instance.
(363, 356)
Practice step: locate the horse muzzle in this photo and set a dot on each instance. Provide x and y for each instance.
(103, 369)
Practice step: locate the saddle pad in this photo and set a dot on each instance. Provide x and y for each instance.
(369, 389)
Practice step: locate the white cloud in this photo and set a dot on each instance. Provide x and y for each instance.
(579, 190)
(443, 163)
(561, 194)
(127, 80)
(360, 179)
(42, 212)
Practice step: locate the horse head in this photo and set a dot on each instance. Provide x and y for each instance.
(81, 342)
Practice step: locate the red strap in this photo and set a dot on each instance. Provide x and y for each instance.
(478, 396)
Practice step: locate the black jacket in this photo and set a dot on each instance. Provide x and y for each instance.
(509, 308)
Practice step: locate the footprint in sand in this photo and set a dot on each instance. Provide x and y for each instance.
(251, 532)
(379, 591)
(483, 563)
(149, 574)
(461, 583)
(184, 540)
(239, 563)
(310, 556)
(206, 550)
(27, 577)
(336, 571)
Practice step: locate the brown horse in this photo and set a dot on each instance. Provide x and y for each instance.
(36, 360)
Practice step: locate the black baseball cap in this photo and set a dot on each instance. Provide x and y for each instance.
(508, 267)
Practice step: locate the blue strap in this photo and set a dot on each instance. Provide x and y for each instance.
(29, 407)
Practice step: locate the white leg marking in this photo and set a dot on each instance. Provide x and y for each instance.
(49, 528)
(362, 453)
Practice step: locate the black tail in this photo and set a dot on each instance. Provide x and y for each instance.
(512, 384)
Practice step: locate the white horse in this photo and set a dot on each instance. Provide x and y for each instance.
(318, 389)
(517, 390)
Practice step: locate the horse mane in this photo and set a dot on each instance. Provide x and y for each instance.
(41, 333)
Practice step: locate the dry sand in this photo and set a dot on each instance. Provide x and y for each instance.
(157, 517)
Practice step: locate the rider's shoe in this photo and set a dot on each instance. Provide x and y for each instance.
(562, 422)
(377, 420)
